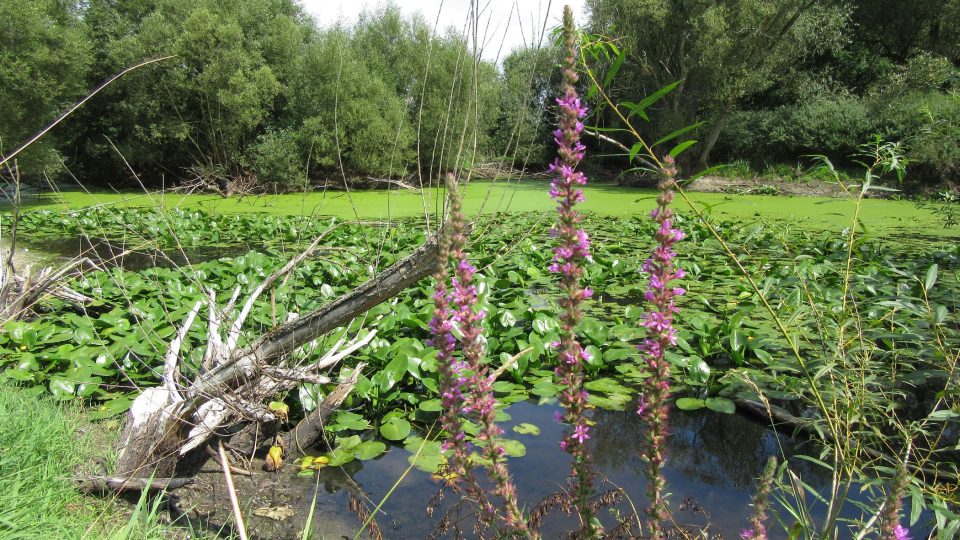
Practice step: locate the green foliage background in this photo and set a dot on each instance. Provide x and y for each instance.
(258, 88)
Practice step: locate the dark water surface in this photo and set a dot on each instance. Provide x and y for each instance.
(713, 461)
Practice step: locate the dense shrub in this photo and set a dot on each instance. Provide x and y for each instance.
(344, 106)
(45, 53)
(926, 122)
(929, 124)
(833, 126)
(275, 159)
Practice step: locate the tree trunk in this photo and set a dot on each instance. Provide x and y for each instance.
(714, 135)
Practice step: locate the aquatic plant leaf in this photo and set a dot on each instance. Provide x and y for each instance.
(395, 429)
(526, 428)
(721, 405)
(513, 448)
(690, 404)
(430, 405)
(369, 449)
(349, 420)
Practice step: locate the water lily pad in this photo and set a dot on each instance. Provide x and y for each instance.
(430, 464)
(395, 429)
(369, 449)
(513, 448)
(721, 405)
(349, 420)
(527, 428)
(607, 386)
(690, 404)
(431, 405)
(340, 456)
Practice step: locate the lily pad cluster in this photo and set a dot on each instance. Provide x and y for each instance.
(724, 339)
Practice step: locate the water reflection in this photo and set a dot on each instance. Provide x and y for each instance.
(713, 459)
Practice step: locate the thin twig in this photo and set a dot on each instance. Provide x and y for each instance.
(231, 490)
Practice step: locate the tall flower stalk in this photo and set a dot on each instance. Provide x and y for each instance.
(571, 251)
(467, 386)
(758, 529)
(890, 527)
(452, 378)
(652, 404)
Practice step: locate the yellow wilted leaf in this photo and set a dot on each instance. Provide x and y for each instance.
(280, 409)
(274, 461)
(444, 475)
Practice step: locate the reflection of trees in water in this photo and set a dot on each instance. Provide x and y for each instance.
(716, 449)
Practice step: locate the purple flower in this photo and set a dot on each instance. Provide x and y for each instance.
(658, 321)
(901, 532)
(746, 534)
(570, 253)
(467, 385)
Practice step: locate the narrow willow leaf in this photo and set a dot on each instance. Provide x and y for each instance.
(678, 149)
(614, 69)
(677, 133)
(931, 278)
(646, 102)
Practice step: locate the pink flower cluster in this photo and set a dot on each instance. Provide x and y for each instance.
(571, 251)
(452, 379)
(652, 404)
(466, 386)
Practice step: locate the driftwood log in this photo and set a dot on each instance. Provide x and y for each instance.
(21, 291)
(114, 484)
(234, 382)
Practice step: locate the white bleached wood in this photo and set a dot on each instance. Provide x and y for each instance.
(171, 361)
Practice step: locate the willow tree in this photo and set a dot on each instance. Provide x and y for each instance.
(45, 53)
(207, 108)
(720, 52)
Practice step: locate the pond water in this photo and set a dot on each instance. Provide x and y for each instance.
(713, 462)
(133, 257)
(487, 196)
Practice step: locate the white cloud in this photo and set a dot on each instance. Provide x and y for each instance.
(504, 24)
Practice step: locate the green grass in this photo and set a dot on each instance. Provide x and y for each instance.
(488, 196)
(40, 446)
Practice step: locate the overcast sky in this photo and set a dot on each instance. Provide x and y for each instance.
(512, 31)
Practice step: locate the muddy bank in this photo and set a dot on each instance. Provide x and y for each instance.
(765, 186)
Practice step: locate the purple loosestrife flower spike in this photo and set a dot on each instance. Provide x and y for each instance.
(570, 253)
(758, 530)
(890, 528)
(480, 399)
(652, 404)
(450, 371)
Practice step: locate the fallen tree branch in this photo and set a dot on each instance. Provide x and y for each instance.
(167, 421)
(781, 418)
(294, 334)
(117, 484)
(309, 430)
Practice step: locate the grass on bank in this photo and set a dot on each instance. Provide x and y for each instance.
(42, 442)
